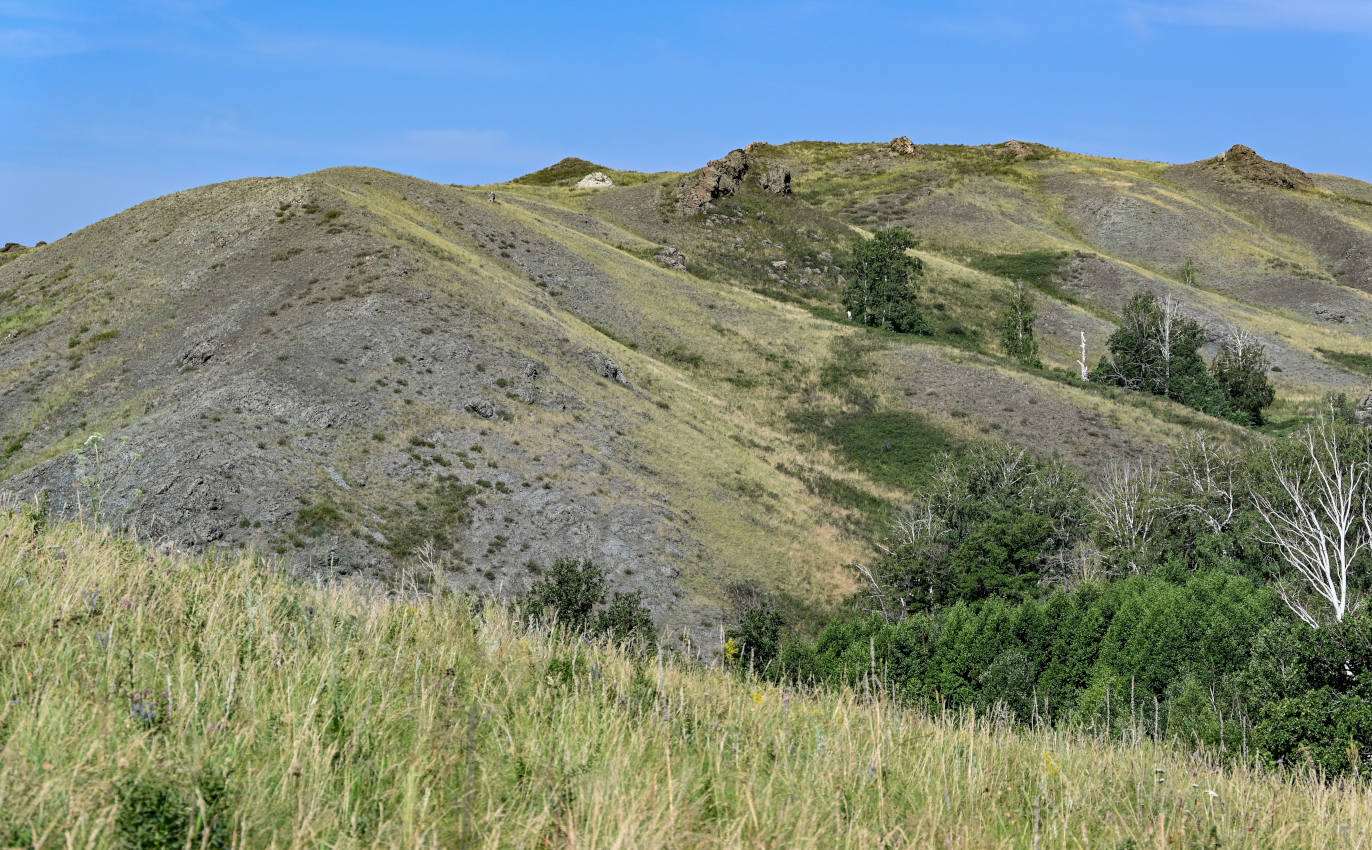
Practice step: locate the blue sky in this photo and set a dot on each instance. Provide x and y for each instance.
(108, 104)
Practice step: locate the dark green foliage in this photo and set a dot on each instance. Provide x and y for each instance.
(1156, 350)
(881, 290)
(155, 814)
(1036, 268)
(1312, 689)
(1240, 367)
(1356, 362)
(626, 619)
(1017, 327)
(572, 589)
(757, 638)
(893, 447)
(1063, 657)
(983, 527)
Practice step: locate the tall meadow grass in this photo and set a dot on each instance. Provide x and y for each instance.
(159, 700)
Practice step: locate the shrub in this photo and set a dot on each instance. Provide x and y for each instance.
(572, 588)
(627, 619)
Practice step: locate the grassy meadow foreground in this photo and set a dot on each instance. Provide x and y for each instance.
(156, 700)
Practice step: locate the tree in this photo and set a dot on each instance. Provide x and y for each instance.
(1319, 519)
(881, 288)
(1240, 367)
(1156, 350)
(1017, 326)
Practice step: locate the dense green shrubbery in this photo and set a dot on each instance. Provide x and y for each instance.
(983, 528)
(1017, 326)
(1154, 605)
(571, 592)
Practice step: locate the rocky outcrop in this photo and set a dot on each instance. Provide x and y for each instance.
(776, 179)
(595, 180)
(719, 179)
(902, 146)
(672, 258)
(1364, 412)
(724, 177)
(11, 246)
(607, 368)
(1246, 163)
(480, 406)
(1015, 149)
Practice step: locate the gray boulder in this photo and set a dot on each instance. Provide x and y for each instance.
(1364, 412)
(776, 180)
(607, 368)
(672, 258)
(481, 407)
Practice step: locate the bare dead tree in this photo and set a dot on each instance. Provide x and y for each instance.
(1085, 372)
(1072, 567)
(1128, 502)
(1170, 311)
(1202, 473)
(1321, 526)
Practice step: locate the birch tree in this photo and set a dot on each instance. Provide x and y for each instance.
(1318, 518)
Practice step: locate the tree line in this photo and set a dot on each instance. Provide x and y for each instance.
(1217, 598)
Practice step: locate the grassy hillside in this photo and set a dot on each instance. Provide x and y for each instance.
(158, 700)
(351, 368)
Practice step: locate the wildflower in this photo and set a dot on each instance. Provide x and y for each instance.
(758, 697)
(144, 706)
(1211, 793)
(731, 649)
(1051, 763)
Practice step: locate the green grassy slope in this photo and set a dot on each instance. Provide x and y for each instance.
(299, 365)
(158, 700)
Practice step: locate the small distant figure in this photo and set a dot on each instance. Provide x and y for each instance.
(850, 314)
(491, 198)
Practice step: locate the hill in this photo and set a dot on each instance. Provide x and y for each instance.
(369, 375)
(154, 699)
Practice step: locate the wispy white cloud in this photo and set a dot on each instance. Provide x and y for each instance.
(40, 43)
(1342, 16)
(329, 51)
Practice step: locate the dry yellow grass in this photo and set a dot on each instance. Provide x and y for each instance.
(336, 720)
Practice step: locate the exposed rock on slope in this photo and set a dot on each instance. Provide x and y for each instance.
(595, 180)
(1246, 163)
(724, 177)
(902, 146)
(351, 367)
